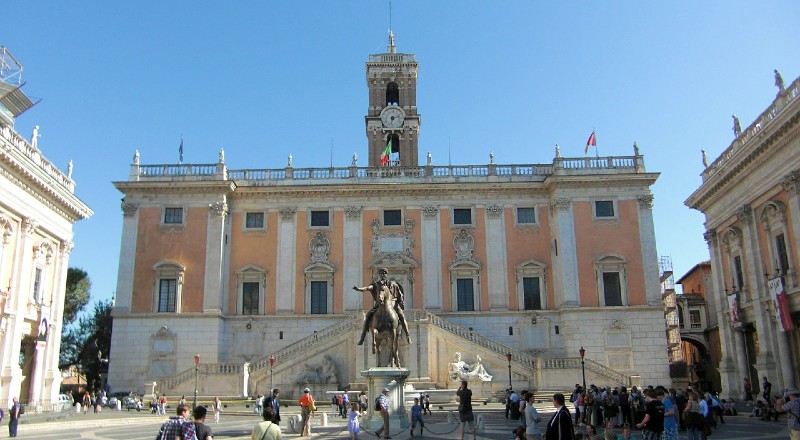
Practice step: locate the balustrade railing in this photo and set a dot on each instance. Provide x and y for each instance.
(20, 145)
(783, 100)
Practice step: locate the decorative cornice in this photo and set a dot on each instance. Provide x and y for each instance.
(645, 201)
(494, 211)
(744, 214)
(129, 209)
(791, 182)
(219, 208)
(430, 211)
(560, 204)
(353, 212)
(287, 214)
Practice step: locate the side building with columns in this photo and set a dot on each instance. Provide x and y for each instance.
(531, 261)
(38, 208)
(751, 203)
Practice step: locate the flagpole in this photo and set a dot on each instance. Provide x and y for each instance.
(596, 150)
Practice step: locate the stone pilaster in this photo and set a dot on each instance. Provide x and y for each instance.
(566, 263)
(286, 257)
(647, 243)
(127, 257)
(791, 184)
(215, 249)
(496, 263)
(431, 245)
(353, 246)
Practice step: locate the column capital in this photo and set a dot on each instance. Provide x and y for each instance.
(29, 225)
(494, 210)
(353, 212)
(645, 201)
(791, 182)
(129, 209)
(430, 211)
(287, 214)
(66, 247)
(744, 214)
(560, 204)
(219, 208)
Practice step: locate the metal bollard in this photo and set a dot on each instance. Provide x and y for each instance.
(450, 417)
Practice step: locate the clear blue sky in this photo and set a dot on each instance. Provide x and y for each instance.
(265, 79)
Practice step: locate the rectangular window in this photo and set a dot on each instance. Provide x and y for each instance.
(37, 286)
(694, 319)
(462, 216)
(737, 269)
(526, 216)
(612, 289)
(173, 216)
(254, 220)
(531, 293)
(392, 217)
(320, 219)
(250, 298)
(603, 208)
(782, 255)
(167, 292)
(464, 295)
(319, 297)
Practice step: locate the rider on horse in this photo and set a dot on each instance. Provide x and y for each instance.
(396, 290)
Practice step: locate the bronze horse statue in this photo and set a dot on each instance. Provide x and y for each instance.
(385, 326)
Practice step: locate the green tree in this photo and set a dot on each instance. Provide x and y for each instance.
(78, 293)
(92, 340)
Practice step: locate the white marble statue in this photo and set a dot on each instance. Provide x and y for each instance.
(69, 170)
(136, 158)
(35, 137)
(289, 165)
(430, 159)
(460, 370)
(221, 155)
(558, 151)
(355, 160)
(491, 157)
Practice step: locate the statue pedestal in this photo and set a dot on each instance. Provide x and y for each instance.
(394, 379)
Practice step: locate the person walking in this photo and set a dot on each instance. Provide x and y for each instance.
(560, 426)
(173, 427)
(382, 405)
(652, 425)
(197, 429)
(354, 426)
(670, 416)
(272, 401)
(792, 407)
(307, 405)
(13, 415)
(465, 409)
(532, 419)
(268, 429)
(217, 407)
(416, 417)
(748, 391)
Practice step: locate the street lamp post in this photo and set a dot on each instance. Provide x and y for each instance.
(196, 373)
(583, 368)
(271, 381)
(508, 357)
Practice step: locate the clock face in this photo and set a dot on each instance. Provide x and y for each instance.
(392, 117)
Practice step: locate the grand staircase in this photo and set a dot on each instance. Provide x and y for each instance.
(525, 364)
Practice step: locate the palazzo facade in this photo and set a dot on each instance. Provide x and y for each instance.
(529, 260)
(38, 207)
(751, 203)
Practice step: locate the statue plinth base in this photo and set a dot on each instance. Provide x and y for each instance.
(394, 379)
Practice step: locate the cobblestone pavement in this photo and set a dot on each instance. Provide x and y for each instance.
(126, 425)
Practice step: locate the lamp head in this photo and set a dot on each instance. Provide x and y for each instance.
(582, 352)
(197, 359)
(508, 356)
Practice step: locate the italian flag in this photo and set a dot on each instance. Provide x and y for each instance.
(385, 155)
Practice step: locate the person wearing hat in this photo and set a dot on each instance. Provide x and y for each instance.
(307, 405)
(792, 407)
(383, 403)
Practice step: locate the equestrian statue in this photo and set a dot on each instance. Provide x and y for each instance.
(386, 317)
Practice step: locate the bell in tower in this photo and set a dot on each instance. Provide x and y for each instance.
(392, 120)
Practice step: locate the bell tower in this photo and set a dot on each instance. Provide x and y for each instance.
(392, 120)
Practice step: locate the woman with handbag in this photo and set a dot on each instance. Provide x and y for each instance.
(307, 406)
(693, 417)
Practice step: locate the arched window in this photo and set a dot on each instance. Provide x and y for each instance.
(392, 94)
(611, 280)
(168, 289)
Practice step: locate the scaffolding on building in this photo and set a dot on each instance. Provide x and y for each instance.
(14, 101)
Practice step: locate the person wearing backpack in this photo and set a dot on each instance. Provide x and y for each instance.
(382, 405)
(652, 425)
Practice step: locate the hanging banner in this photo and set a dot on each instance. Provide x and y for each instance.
(733, 308)
(781, 302)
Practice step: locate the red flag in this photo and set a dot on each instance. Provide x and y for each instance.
(592, 141)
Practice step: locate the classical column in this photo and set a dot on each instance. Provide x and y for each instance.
(496, 258)
(52, 378)
(732, 365)
(647, 242)
(566, 270)
(353, 256)
(431, 259)
(791, 184)
(15, 308)
(215, 247)
(284, 275)
(765, 361)
(127, 258)
(37, 371)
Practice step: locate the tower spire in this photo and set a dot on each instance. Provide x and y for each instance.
(391, 47)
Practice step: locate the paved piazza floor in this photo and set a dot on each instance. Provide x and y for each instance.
(126, 425)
